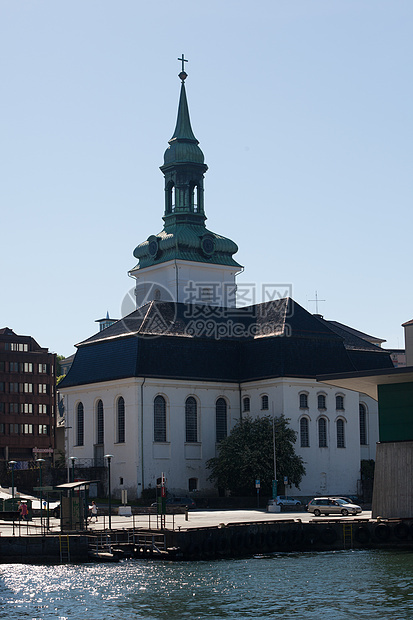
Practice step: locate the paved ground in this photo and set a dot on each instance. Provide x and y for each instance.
(196, 519)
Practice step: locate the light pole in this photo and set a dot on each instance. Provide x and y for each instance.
(73, 459)
(109, 457)
(12, 465)
(40, 461)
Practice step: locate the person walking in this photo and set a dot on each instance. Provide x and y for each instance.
(94, 512)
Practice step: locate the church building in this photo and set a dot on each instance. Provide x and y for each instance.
(161, 387)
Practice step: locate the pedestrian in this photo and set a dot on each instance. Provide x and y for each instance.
(94, 511)
(23, 511)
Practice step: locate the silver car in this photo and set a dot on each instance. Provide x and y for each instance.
(327, 505)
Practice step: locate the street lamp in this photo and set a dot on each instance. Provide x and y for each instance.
(12, 464)
(109, 457)
(40, 461)
(73, 459)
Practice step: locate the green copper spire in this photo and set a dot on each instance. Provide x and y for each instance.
(184, 235)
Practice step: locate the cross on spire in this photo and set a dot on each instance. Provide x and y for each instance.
(183, 59)
(316, 302)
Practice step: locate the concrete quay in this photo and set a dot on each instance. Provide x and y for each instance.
(202, 534)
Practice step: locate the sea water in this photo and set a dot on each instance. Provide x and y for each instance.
(360, 584)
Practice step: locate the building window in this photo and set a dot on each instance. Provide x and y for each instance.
(191, 420)
(43, 429)
(2, 408)
(14, 366)
(221, 419)
(2, 429)
(26, 429)
(28, 388)
(13, 407)
(363, 425)
(1, 386)
(42, 388)
(100, 433)
(304, 435)
(322, 433)
(159, 419)
(42, 368)
(14, 429)
(264, 402)
(246, 403)
(121, 420)
(192, 484)
(26, 408)
(13, 387)
(340, 403)
(303, 401)
(43, 409)
(80, 425)
(340, 434)
(321, 401)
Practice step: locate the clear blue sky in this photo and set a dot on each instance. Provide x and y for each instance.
(303, 109)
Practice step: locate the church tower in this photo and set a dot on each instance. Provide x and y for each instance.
(185, 262)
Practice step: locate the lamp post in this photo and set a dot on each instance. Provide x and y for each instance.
(73, 459)
(109, 457)
(40, 461)
(12, 465)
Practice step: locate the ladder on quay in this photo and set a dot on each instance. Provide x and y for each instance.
(64, 548)
(347, 535)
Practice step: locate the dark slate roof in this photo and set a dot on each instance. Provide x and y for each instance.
(180, 341)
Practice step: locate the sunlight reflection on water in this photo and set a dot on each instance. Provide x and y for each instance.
(359, 584)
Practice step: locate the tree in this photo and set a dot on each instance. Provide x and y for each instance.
(248, 453)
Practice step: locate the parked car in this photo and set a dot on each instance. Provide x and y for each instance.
(286, 500)
(327, 505)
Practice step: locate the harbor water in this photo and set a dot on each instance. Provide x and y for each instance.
(373, 584)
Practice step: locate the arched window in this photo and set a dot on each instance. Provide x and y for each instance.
(322, 433)
(340, 434)
(321, 401)
(246, 403)
(304, 436)
(159, 419)
(303, 401)
(121, 420)
(100, 434)
(264, 402)
(191, 420)
(170, 198)
(363, 425)
(221, 419)
(80, 425)
(339, 402)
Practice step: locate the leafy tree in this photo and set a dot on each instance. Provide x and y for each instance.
(248, 453)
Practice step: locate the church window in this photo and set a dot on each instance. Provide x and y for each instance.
(121, 420)
(321, 401)
(170, 198)
(322, 433)
(303, 401)
(264, 402)
(157, 295)
(304, 435)
(363, 425)
(80, 425)
(340, 433)
(340, 402)
(159, 419)
(191, 420)
(246, 404)
(192, 484)
(99, 423)
(221, 419)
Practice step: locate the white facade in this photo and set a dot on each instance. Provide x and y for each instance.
(139, 460)
(187, 282)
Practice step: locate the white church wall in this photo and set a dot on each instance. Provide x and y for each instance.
(139, 460)
(186, 281)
